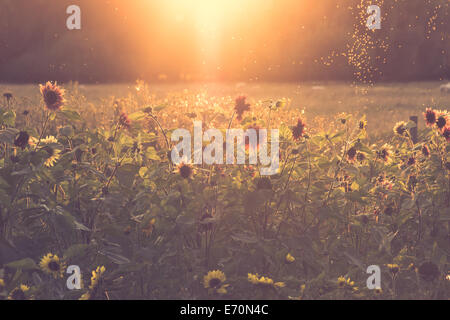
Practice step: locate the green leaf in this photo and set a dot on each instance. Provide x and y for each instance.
(24, 264)
(70, 114)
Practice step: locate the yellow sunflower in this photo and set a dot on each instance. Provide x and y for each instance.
(52, 265)
(214, 279)
(345, 282)
(265, 281)
(54, 154)
(85, 296)
(289, 258)
(2, 284)
(96, 275)
(19, 293)
(53, 96)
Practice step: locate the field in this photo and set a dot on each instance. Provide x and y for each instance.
(87, 181)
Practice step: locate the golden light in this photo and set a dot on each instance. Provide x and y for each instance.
(212, 21)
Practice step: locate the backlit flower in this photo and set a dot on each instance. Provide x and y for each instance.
(298, 130)
(53, 96)
(430, 117)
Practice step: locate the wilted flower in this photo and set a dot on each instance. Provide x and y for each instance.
(298, 130)
(241, 106)
(22, 139)
(430, 117)
(53, 96)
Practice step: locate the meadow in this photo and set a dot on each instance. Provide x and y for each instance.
(85, 180)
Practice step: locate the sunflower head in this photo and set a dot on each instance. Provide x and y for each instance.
(442, 120)
(19, 293)
(400, 128)
(446, 133)
(124, 121)
(411, 161)
(362, 124)
(430, 117)
(214, 280)
(298, 130)
(22, 139)
(289, 258)
(360, 156)
(385, 153)
(185, 170)
(241, 106)
(393, 269)
(52, 264)
(96, 277)
(351, 154)
(53, 96)
(8, 96)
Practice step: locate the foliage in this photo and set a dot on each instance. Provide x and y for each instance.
(111, 197)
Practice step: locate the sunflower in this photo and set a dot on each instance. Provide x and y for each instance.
(289, 258)
(96, 277)
(2, 284)
(411, 161)
(393, 268)
(85, 296)
(19, 293)
(53, 96)
(241, 106)
(362, 124)
(22, 139)
(124, 121)
(8, 96)
(400, 128)
(345, 282)
(185, 170)
(52, 265)
(215, 280)
(265, 281)
(53, 156)
(446, 133)
(443, 119)
(430, 117)
(360, 157)
(385, 153)
(298, 130)
(351, 154)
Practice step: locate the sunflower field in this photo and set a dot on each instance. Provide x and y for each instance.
(93, 186)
